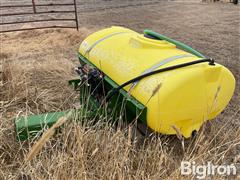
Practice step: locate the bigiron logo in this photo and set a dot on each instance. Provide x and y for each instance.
(207, 169)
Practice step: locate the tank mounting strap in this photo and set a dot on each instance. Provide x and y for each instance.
(102, 39)
(161, 63)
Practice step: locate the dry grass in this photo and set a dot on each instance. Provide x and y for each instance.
(36, 82)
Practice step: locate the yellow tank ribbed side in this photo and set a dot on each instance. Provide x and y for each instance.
(186, 97)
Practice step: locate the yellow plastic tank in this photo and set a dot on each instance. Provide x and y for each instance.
(180, 99)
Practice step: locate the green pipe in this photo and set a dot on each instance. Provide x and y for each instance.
(177, 43)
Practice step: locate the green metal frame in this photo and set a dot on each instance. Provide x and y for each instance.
(34, 125)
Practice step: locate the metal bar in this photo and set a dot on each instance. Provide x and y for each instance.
(50, 27)
(41, 20)
(76, 16)
(31, 126)
(36, 5)
(43, 12)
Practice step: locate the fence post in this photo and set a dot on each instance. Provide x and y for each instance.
(34, 7)
(76, 15)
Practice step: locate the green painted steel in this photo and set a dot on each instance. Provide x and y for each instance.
(177, 43)
(27, 127)
(30, 126)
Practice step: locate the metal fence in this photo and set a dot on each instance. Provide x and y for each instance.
(36, 11)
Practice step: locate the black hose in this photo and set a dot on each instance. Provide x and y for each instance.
(115, 90)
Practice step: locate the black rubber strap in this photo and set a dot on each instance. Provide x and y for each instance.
(115, 90)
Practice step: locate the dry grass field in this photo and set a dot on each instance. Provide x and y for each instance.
(35, 68)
